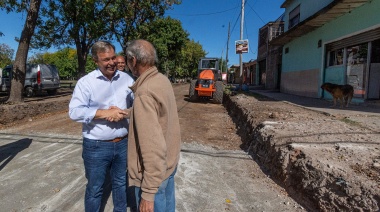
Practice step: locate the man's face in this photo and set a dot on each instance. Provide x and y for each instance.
(106, 62)
(120, 64)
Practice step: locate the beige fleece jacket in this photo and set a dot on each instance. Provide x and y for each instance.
(154, 133)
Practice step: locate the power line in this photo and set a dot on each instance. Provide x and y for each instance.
(255, 12)
(204, 14)
(249, 43)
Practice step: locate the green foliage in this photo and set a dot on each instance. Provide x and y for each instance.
(14, 5)
(82, 23)
(190, 56)
(36, 58)
(71, 22)
(170, 2)
(129, 16)
(6, 55)
(90, 65)
(74, 23)
(223, 65)
(168, 37)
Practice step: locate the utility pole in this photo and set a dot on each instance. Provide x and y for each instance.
(221, 61)
(241, 38)
(228, 41)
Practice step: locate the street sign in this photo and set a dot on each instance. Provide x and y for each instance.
(241, 46)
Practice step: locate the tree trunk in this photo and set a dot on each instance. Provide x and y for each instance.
(82, 52)
(19, 66)
(82, 59)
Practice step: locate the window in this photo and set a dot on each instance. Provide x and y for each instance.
(356, 68)
(375, 55)
(208, 64)
(357, 54)
(294, 17)
(335, 57)
(276, 31)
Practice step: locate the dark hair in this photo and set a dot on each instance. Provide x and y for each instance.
(143, 51)
(100, 46)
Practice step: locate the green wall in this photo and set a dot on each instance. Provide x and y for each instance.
(304, 53)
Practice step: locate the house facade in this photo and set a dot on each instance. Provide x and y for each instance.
(248, 75)
(249, 72)
(269, 56)
(336, 41)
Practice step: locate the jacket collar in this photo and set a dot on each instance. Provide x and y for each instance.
(150, 72)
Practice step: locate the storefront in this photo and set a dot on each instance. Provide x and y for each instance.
(358, 59)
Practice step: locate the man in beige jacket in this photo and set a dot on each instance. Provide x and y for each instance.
(154, 132)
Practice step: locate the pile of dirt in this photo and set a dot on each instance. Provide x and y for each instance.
(35, 107)
(323, 162)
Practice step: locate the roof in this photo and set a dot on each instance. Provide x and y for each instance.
(330, 12)
(235, 66)
(286, 3)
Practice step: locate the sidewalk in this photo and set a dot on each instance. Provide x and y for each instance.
(367, 114)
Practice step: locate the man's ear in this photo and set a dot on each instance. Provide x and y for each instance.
(95, 61)
(134, 61)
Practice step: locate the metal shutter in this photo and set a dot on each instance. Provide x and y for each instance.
(354, 40)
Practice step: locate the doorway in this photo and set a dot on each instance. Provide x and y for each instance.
(374, 72)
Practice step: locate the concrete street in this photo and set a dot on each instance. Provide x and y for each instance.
(45, 173)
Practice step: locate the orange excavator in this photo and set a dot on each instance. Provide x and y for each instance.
(209, 84)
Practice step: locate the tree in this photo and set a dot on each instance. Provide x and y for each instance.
(168, 37)
(6, 55)
(74, 23)
(190, 56)
(82, 23)
(19, 66)
(36, 58)
(131, 15)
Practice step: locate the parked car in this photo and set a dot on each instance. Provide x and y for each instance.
(38, 78)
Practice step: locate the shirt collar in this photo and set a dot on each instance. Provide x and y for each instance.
(101, 76)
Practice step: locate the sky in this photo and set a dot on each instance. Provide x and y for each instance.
(206, 21)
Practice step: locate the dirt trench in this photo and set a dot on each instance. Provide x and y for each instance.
(309, 153)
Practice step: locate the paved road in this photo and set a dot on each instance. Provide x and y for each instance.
(45, 173)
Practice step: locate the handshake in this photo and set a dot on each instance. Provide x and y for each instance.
(115, 114)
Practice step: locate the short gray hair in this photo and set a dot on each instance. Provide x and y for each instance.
(144, 56)
(100, 46)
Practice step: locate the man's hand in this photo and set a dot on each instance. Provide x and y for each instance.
(112, 114)
(146, 206)
(126, 112)
(116, 114)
